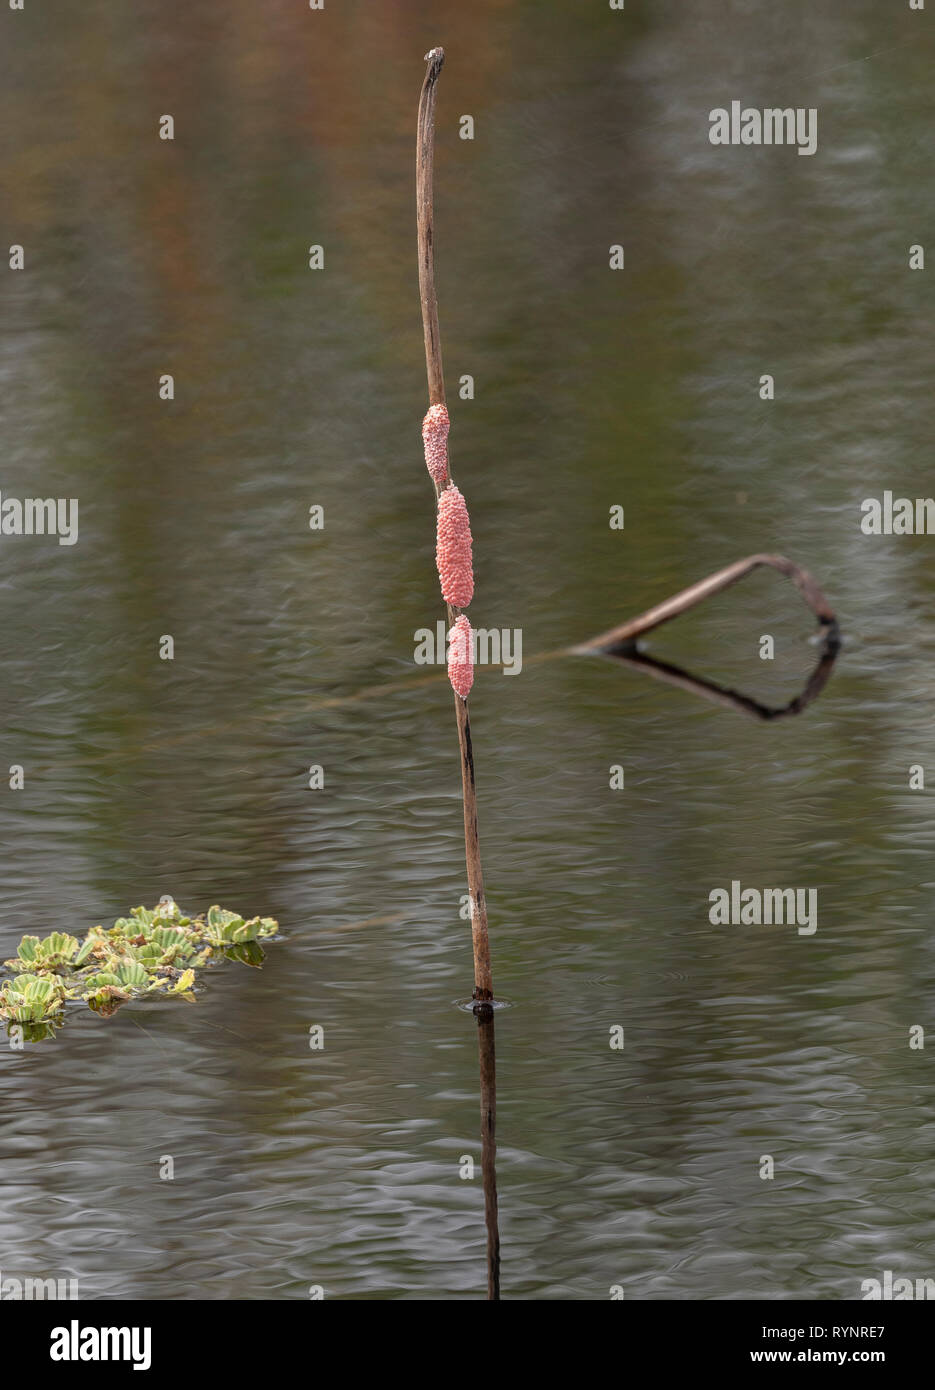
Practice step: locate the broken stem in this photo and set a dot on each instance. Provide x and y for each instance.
(670, 608)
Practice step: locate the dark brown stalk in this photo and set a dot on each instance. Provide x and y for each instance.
(425, 166)
(488, 1119)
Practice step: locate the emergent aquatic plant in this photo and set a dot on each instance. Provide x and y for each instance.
(453, 528)
(152, 952)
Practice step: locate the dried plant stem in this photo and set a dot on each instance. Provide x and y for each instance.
(670, 608)
(425, 162)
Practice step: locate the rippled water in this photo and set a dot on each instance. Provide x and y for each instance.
(340, 1167)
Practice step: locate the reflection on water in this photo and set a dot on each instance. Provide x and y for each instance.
(732, 699)
(339, 1167)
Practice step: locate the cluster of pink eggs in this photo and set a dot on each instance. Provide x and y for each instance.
(452, 548)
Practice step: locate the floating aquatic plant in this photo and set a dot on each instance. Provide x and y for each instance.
(32, 998)
(152, 952)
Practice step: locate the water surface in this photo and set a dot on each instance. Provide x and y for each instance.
(340, 1167)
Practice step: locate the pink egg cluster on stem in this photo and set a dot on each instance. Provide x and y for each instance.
(461, 657)
(453, 549)
(435, 438)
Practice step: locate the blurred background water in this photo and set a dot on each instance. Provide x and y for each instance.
(339, 1168)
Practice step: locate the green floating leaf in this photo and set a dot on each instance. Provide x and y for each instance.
(152, 951)
(249, 952)
(59, 945)
(87, 946)
(184, 984)
(133, 975)
(31, 998)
